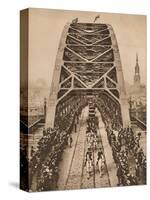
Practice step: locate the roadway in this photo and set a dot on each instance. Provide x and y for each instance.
(72, 169)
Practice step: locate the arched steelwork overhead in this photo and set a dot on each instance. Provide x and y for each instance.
(88, 59)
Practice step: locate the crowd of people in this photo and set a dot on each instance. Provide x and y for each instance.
(45, 161)
(93, 145)
(126, 147)
(126, 150)
(110, 111)
(23, 169)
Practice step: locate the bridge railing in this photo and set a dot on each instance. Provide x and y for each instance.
(139, 123)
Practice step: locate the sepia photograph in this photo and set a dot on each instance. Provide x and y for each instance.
(83, 105)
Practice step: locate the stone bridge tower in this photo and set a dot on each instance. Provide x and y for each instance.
(88, 61)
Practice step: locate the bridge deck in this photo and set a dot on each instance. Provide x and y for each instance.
(72, 169)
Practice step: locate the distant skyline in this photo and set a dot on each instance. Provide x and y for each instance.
(45, 30)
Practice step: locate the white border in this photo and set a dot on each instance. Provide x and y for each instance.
(9, 87)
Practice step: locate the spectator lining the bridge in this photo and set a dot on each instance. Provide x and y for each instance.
(124, 145)
(45, 161)
(122, 141)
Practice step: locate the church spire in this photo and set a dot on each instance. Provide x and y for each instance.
(137, 72)
(137, 68)
(137, 58)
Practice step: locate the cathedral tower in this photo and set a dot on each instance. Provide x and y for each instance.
(137, 73)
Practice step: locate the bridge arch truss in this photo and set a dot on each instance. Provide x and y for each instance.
(87, 63)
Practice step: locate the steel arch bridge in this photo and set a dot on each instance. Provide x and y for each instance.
(87, 64)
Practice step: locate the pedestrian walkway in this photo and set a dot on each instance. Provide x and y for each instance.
(70, 168)
(75, 172)
(111, 166)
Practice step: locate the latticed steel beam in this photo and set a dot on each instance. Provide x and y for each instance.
(76, 52)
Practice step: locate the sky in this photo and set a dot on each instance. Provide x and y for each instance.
(46, 26)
